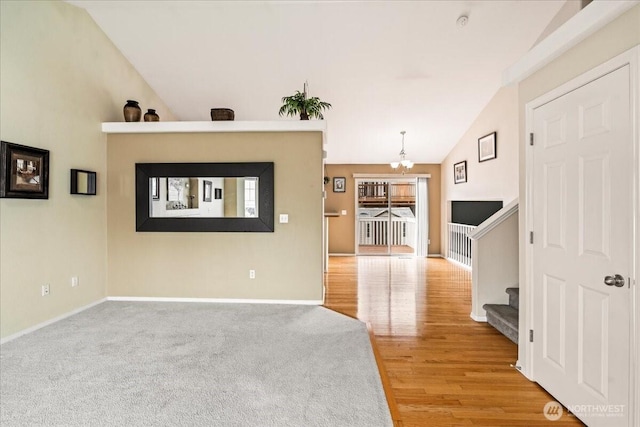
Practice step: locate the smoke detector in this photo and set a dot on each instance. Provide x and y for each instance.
(462, 21)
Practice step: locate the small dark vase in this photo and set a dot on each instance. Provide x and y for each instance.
(304, 116)
(132, 111)
(151, 116)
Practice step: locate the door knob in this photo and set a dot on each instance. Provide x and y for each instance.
(617, 281)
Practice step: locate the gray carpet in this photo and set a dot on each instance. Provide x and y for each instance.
(193, 364)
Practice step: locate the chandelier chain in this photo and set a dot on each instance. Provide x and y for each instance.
(404, 163)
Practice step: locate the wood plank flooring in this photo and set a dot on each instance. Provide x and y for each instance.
(444, 368)
(383, 249)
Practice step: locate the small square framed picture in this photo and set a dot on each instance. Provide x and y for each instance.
(460, 172)
(487, 147)
(339, 184)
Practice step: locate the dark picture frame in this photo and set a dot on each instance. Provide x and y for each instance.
(487, 147)
(24, 171)
(339, 184)
(83, 182)
(218, 193)
(460, 172)
(207, 190)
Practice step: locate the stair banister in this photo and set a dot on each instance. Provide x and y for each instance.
(494, 248)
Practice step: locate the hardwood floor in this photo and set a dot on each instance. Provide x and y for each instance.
(444, 368)
(383, 250)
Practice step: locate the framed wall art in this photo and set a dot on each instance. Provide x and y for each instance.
(208, 189)
(487, 147)
(155, 188)
(339, 184)
(460, 172)
(83, 182)
(24, 172)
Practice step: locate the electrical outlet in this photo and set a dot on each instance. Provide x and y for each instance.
(344, 212)
(74, 281)
(252, 274)
(45, 290)
(284, 218)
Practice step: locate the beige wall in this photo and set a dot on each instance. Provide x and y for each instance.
(60, 77)
(495, 179)
(342, 228)
(615, 38)
(288, 262)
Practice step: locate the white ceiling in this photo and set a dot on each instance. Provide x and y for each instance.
(386, 66)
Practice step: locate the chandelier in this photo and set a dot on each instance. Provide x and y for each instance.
(404, 162)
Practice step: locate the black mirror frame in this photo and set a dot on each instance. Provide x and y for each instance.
(91, 182)
(263, 223)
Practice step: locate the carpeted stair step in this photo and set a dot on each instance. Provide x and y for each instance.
(514, 297)
(504, 318)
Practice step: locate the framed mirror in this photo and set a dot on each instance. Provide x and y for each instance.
(192, 197)
(83, 182)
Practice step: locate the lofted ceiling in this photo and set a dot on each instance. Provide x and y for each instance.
(385, 66)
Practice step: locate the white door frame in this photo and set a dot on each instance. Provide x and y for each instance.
(630, 57)
(389, 177)
(396, 179)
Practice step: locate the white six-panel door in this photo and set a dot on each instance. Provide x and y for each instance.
(583, 232)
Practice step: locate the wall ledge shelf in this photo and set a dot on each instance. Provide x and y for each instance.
(216, 126)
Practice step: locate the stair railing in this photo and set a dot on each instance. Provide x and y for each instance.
(459, 243)
(374, 231)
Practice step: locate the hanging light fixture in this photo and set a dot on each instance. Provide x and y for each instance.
(404, 162)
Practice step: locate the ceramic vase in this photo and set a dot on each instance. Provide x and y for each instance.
(132, 111)
(151, 116)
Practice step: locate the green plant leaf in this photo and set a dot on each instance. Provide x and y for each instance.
(298, 104)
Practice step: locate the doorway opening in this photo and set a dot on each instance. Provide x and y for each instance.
(389, 216)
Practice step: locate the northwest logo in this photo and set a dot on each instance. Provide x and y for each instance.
(552, 411)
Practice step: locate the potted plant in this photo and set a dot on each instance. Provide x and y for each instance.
(299, 103)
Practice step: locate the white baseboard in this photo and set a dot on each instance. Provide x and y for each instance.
(50, 321)
(478, 318)
(219, 300)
